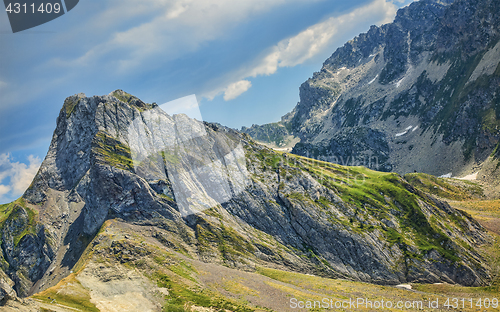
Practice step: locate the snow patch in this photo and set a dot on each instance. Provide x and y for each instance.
(399, 82)
(371, 81)
(416, 127)
(405, 132)
(470, 177)
(448, 175)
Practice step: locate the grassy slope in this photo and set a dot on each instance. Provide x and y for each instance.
(67, 293)
(446, 188)
(186, 281)
(466, 196)
(373, 194)
(487, 212)
(193, 284)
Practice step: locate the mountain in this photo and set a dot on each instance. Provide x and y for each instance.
(131, 205)
(418, 94)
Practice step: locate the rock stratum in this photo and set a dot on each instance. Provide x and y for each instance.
(418, 94)
(129, 200)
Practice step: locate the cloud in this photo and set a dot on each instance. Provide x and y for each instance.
(116, 39)
(309, 43)
(317, 38)
(236, 89)
(4, 190)
(163, 30)
(19, 175)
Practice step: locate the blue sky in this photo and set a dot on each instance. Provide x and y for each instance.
(244, 60)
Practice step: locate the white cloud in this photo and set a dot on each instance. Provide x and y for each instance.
(236, 89)
(4, 190)
(315, 39)
(310, 42)
(170, 30)
(20, 175)
(117, 38)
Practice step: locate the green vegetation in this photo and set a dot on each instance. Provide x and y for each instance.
(445, 188)
(166, 197)
(229, 243)
(21, 218)
(68, 292)
(112, 151)
(374, 194)
(6, 210)
(299, 197)
(122, 96)
(184, 269)
(377, 195)
(269, 159)
(309, 287)
(70, 104)
(181, 276)
(491, 122)
(238, 288)
(131, 100)
(30, 228)
(181, 296)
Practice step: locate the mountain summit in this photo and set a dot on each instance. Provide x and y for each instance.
(418, 94)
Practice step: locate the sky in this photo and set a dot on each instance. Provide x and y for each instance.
(243, 61)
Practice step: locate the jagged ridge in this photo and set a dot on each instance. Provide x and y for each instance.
(419, 94)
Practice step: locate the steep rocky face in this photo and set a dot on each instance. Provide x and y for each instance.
(213, 194)
(421, 93)
(275, 133)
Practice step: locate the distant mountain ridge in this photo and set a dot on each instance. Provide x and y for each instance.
(419, 94)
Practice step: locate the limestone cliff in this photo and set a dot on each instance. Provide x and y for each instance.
(418, 94)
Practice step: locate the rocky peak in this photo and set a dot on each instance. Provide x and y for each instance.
(217, 196)
(420, 93)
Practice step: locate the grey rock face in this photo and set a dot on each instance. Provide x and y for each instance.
(27, 253)
(420, 93)
(6, 290)
(273, 133)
